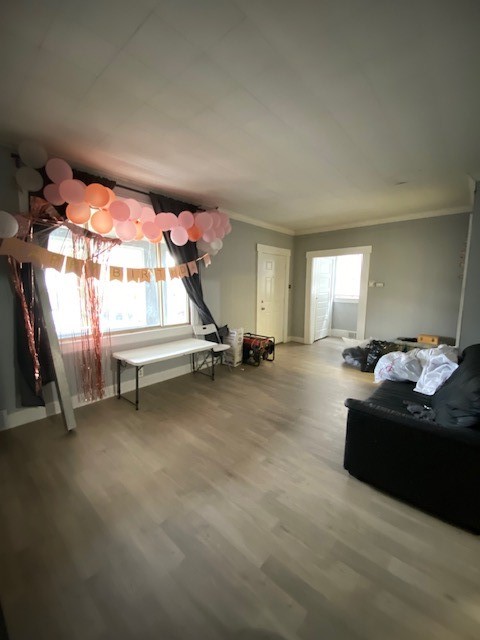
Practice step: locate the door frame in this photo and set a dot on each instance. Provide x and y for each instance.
(265, 248)
(362, 302)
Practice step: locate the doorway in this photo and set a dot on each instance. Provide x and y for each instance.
(336, 293)
(273, 269)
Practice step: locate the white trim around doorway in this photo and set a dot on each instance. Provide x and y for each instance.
(362, 302)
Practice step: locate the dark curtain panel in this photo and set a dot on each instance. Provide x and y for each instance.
(184, 254)
(26, 377)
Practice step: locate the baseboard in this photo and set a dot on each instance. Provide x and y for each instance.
(296, 339)
(10, 420)
(145, 381)
(24, 415)
(342, 333)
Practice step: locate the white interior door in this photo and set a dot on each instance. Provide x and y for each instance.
(323, 273)
(271, 287)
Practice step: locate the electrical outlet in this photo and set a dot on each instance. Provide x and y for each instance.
(140, 373)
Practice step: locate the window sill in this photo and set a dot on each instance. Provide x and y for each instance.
(140, 337)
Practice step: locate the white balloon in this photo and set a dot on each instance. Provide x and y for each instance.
(29, 179)
(217, 244)
(8, 225)
(206, 247)
(32, 154)
(202, 246)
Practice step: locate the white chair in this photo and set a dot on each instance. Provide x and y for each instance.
(200, 361)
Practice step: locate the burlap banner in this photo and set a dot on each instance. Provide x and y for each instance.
(29, 252)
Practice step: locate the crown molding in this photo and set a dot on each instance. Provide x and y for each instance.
(258, 223)
(372, 223)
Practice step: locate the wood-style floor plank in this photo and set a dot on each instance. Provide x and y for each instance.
(221, 511)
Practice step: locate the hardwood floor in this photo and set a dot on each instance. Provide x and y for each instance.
(221, 511)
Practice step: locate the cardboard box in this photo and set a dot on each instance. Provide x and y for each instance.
(426, 338)
(234, 338)
(233, 358)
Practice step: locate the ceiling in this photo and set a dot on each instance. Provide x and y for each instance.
(303, 115)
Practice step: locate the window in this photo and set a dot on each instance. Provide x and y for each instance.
(347, 278)
(126, 305)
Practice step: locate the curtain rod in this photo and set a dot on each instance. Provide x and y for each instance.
(144, 193)
(123, 186)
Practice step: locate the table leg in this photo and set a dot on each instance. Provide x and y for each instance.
(213, 365)
(119, 369)
(136, 387)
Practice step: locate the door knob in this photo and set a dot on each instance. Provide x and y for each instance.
(262, 308)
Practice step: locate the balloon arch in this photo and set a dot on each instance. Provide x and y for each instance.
(105, 212)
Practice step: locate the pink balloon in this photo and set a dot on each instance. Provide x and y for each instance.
(135, 208)
(209, 235)
(173, 220)
(223, 216)
(217, 219)
(162, 221)
(220, 232)
(228, 228)
(58, 170)
(179, 236)
(126, 230)
(73, 191)
(204, 221)
(119, 210)
(52, 194)
(150, 230)
(186, 219)
(147, 215)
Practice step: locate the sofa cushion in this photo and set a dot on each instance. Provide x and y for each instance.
(396, 395)
(457, 402)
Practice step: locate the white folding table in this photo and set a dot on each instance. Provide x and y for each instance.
(142, 356)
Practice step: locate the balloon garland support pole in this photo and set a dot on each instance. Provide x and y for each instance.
(61, 383)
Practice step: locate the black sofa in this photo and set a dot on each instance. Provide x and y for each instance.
(434, 463)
